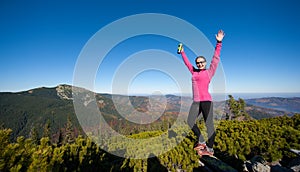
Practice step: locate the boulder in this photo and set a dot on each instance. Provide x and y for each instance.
(257, 164)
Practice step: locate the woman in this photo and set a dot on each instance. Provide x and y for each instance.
(202, 100)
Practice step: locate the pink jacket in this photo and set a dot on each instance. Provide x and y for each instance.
(202, 78)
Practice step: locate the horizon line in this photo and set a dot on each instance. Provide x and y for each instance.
(99, 92)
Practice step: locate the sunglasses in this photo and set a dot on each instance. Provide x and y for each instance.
(200, 62)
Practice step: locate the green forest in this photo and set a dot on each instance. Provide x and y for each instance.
(236, 141)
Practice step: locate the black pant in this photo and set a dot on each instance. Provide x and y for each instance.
(206, 108)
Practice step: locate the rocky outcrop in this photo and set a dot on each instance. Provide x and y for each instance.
(257, 164)
(214, 164)
(295, 164)
(64, 92)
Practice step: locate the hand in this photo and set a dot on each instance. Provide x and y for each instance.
(180, 49)
(220, 35)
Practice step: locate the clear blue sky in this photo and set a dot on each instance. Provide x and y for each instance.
(40, 41)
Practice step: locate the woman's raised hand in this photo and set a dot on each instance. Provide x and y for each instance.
(220, 35)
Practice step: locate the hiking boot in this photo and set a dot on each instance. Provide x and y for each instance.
(207, 151)
(200, 146)
(199, 152)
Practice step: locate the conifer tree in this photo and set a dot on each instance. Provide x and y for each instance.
(34, 135)
(237, 108)
(69, 133)
(232, 107)
(60, 139)
(47, 130)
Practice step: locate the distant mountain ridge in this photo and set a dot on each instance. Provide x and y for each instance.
(22, 110)
(278, 103)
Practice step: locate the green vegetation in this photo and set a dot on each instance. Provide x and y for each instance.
(270, 138)
(237, 108)
(23, 111)
(39, 131)
(239, 140)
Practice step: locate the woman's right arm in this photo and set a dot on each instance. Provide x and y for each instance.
(186, 61)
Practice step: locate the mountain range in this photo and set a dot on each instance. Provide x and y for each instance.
(290, 105)
(21, 111)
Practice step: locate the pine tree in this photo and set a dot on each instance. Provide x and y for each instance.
(232, 107)
(47, 130)
(34, 135)
(60, 138)
(69, 133)
(237, 108)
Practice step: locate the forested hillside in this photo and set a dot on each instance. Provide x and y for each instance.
(236, 141)
(25, 111)
(40, 132)
(29, 110)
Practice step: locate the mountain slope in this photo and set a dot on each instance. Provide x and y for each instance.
(33, 108)
(24, 110)
(267, 107)
(288, 105)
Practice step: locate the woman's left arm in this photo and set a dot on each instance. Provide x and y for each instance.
(216, 58)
